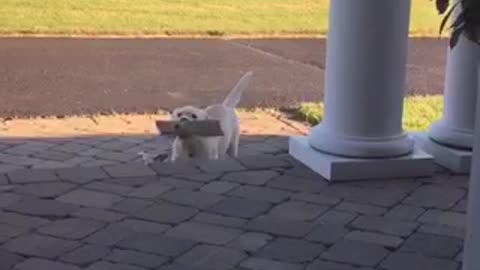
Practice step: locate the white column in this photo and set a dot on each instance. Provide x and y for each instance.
(365, 80)
(361, 136)
(471, 260)
(455, 129)
(450, 140)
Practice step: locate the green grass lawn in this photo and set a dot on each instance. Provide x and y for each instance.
(419, 112)
(182, 17)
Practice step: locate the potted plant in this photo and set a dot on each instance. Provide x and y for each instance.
(467, 21)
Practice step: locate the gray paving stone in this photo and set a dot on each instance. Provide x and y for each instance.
(261, 193)
(402, 261)
(432, 245)
(209, 218)
(295, 183)
(204, 233)
(71, 147)
(35, 263)
(53, 155)
(102, 265)
(80, 175)
(19, 161)
(405, 212)
(150, 191)
(324, 265)
(197, 199)
(131, 205)
(316, 198)
(435, 197)
(298, 210)
(220, 166)
(180, 184)
(291, 250)
(22, 221)
(4, 239)
(177, 168)
(3, 179)
(461, 206)
(98, 214)
(91, 152)
(40, 246)
(71, 228)
(45, 190)
(8, 260)
(109, 236)
(129, 170)
(85, 255)
(32, 176)
(211, 258)
(437, 217)
(157, 244)
(259, 162)
(385, 225)
(327, 234)
(116, 156)
(369, 196)
(7, 199)
(219, 187)
(251, 241)
(49, 164)
(375, 238)
(406, 185)
(43, 208)
(443, 230)
(90, 198)
(239, 207)
(357, 253)
(136, 258)
(200, 177)
(459, 257)
(9, 231)
(144, 226)
(23, 149)
(5, 168)
(336, 217)
(133, 181)
(279, 227)
(167, 213)
(251, 177)
(97, 162)
(358, 208)
(109, 188)
(256, 263)
(116, 145)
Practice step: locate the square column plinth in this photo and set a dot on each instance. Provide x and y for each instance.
(337, 168)
(456, 160)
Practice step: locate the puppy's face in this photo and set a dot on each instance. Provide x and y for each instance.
(188, 113)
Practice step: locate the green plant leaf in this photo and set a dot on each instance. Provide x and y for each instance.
(442, 5)
(447, 17)
(457, 32)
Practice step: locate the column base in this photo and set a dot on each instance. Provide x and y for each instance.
(453, 137)
(337, 168)
(456, 160)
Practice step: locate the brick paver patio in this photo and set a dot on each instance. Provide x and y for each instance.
(264, 211)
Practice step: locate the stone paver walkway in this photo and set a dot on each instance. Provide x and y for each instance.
(107, 140)
(260, 212)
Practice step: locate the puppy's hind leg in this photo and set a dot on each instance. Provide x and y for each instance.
(233, 147)
(213, 153)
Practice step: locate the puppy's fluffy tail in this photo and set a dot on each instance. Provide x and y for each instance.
(233, 98)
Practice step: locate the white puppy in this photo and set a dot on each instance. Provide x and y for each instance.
(211, 148)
